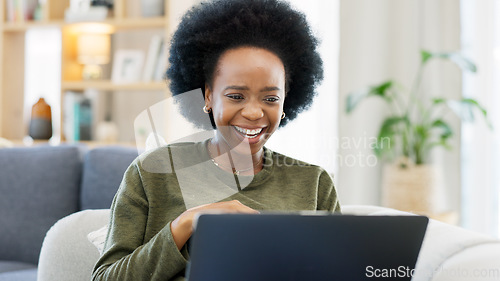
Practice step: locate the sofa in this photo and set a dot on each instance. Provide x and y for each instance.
(42, 184)
(59, 195)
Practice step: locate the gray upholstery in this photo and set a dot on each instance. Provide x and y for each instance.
(19, 275)
(66, 247)
(6, 266)
(40, 185)
(103, 167)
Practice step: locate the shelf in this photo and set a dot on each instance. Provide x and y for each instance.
(106, 85)
(118, 24)
(137, 23)
(12, 55)
(28, 142)
(23, 26)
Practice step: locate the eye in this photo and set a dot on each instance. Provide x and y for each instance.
(272, 99)
(235, 96)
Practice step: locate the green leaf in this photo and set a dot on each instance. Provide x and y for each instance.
(381, 90)
(427, 138)
(461, 61)
(446, 131)
(354, 98)
(465, 108)
(425, 56)
(436, 101)
(388, 131)
(455, 57)
(421, 131)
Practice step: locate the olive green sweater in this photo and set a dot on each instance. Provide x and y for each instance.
(160, 185)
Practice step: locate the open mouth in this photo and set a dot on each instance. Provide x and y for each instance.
(249, 133)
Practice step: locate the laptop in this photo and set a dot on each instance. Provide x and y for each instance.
(304, 247)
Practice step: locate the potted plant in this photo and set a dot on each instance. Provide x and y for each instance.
(411, 130)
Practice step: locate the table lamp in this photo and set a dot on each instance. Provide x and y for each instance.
(93, 51)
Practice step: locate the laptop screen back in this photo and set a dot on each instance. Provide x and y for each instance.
(296, 247)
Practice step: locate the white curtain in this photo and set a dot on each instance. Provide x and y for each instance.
(481, 146)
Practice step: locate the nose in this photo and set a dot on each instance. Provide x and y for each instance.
(252, 111)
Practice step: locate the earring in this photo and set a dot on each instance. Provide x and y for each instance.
(207, 109)
(283, 115)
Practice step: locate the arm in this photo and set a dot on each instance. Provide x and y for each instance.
(126, 256)
(327, 194)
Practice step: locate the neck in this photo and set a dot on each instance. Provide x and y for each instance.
(233, 160)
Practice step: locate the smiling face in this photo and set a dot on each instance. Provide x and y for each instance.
(247, 96)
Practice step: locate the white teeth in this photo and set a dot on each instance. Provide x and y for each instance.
(249, 133)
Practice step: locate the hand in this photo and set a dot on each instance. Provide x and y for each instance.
(182, 226)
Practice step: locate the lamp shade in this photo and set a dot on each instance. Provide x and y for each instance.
(93, 48)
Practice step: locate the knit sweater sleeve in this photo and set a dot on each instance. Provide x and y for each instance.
(327, 194)
(126, 255)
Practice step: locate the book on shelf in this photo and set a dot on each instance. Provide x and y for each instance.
(20, 10)
(77, 113)
(155, 50)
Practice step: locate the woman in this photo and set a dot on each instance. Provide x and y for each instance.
(257, 63)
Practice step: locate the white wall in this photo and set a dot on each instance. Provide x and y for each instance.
(313, 135)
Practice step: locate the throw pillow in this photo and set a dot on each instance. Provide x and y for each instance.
(98, 237)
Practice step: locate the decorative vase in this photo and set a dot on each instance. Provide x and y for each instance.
(41, 121)
(411, 188)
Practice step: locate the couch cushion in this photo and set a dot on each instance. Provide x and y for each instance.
(38, 186)
(19, 275)
(6, 266)
(102, 173)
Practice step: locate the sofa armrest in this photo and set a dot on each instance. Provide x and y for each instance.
(370, 210)
(448, 253)
(479, 263)
(66, 252)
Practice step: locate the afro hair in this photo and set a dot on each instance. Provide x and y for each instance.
(209, 29)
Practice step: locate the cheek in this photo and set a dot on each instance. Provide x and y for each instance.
(222, 112)
(275, 115)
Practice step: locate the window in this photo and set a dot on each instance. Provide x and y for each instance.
(480, 145)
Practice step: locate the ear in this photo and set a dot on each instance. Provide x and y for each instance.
(208, 95)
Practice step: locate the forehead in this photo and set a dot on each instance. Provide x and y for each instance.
(250, 63)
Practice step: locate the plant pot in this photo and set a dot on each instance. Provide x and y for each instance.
(411, 188)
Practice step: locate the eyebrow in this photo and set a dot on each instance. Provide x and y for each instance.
(245, 88)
